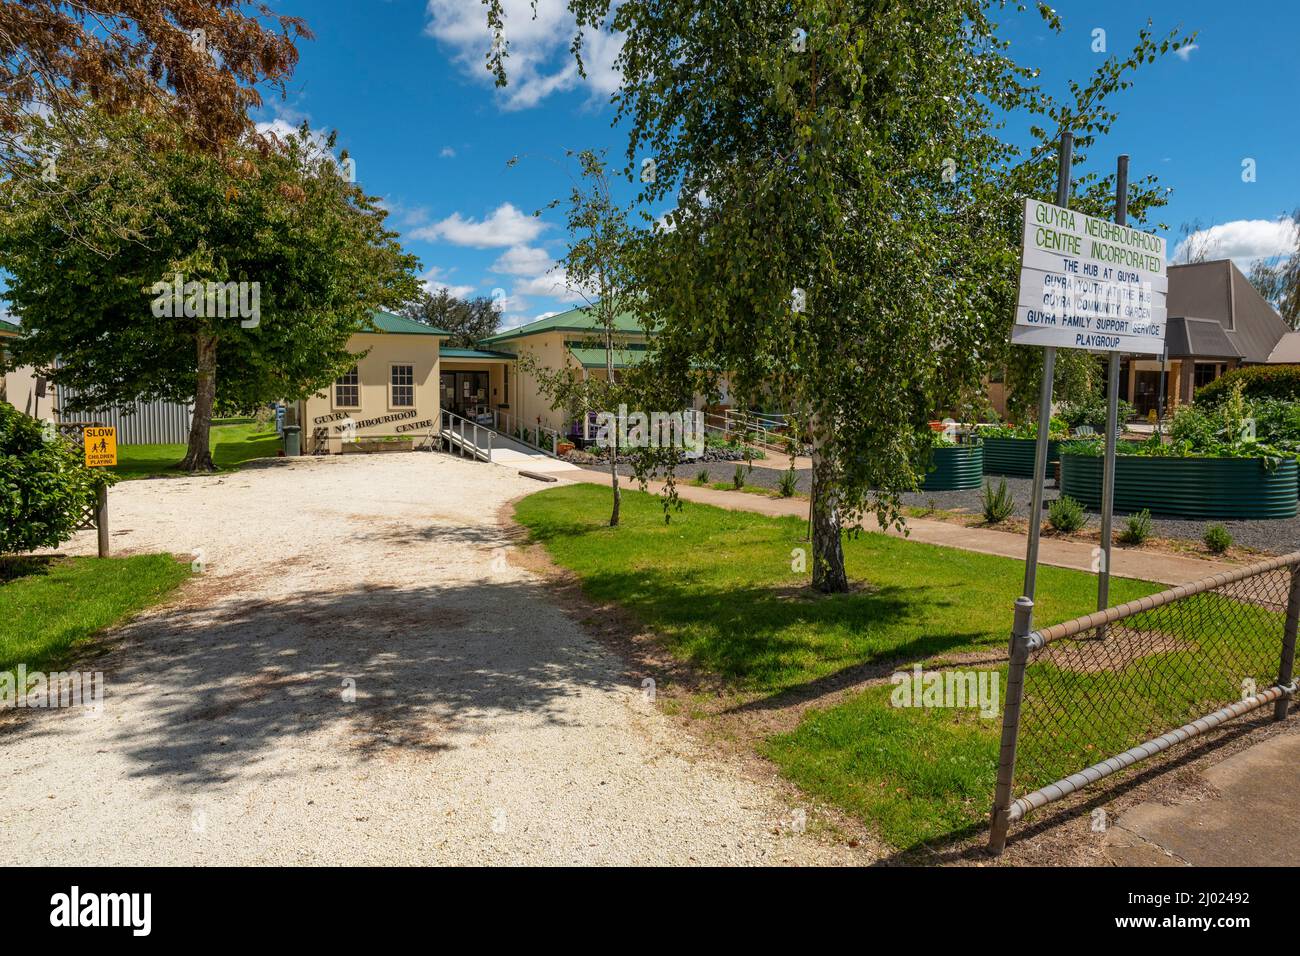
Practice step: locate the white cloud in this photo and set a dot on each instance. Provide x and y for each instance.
(555, 284)
(509, 322)
(1185, 52)
(522, 261)
(281, 128)
(537, 42)
(1243, 240)
(433, 281)
(403, 215)
(447, 153)
(507, 226)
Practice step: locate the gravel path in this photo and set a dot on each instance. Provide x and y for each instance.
(487, 727)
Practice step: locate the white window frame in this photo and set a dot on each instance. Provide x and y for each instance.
(392, 367)
(339, 383)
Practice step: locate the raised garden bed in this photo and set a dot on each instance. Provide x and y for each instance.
(1014, 457)
(376, 446)
(1246, 488)
(956, 469)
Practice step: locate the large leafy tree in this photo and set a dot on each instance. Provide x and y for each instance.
(280, 218)
(468, 320)
(846, 221)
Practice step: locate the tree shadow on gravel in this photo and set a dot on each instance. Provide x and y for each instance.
(196, 694)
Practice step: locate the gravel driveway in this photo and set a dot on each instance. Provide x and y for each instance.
(487, 727)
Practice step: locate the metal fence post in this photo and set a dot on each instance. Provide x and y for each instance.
(1285, 669)
(1019, 654)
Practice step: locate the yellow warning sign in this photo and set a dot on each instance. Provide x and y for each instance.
(101, 446)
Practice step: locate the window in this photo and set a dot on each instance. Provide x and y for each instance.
(1206, 372)
(505, 385)
(347, 390)
(402, 391)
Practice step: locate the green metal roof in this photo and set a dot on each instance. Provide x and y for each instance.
(401, 325)
(475, 354)
(7, 327)
(595, 358)
(574, 320)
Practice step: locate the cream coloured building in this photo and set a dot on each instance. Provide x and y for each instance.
(408, 385)
(392, 391)
(20, 386)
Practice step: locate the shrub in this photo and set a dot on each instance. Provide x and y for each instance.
(1066, 515)
(738, 479)
(44, 486)
(1257, 382)
(1091, 411)
(1137, 528)
(702, 477)
(998, 505)
(1217, 538)
(788, 483)
(1056, 428)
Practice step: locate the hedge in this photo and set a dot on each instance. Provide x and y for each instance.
(44, 486)
(1257, 381)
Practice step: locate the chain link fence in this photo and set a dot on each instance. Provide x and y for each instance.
(1095, 695)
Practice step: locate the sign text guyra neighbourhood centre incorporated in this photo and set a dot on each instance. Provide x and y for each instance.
(1086, 283)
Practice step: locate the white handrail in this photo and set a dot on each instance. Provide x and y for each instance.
(459, 438)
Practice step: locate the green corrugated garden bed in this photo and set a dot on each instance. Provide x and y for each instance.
(1241, 488)
(956, 468)
(1014, 457)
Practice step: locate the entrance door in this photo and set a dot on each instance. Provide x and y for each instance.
(1146, 391)
(464, 393)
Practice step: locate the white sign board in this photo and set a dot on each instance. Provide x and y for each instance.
(1086, 283)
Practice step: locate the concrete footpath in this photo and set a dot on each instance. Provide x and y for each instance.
(1129, 563)
(1248, 815)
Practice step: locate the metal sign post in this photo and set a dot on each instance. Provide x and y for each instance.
(1112, 423)
(1064, 161)
(1092, 284)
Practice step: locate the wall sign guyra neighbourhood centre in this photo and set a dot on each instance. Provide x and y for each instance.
(1086, 283)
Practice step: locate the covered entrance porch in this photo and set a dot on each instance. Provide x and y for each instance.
(475, 384)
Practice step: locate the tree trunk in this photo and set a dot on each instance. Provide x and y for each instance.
(198, 456)
(828, 574)
(613, 453)
(613, 480)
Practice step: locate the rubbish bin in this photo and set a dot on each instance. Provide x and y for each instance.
(292, 441)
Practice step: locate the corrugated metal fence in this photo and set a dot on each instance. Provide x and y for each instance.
(143, 423)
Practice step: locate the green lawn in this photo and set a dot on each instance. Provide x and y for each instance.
(719, 589)
(233, 442)
(48, 606)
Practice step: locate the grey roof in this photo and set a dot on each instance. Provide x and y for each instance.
(1199, 338)
(1218, 291)
(1287, 350)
